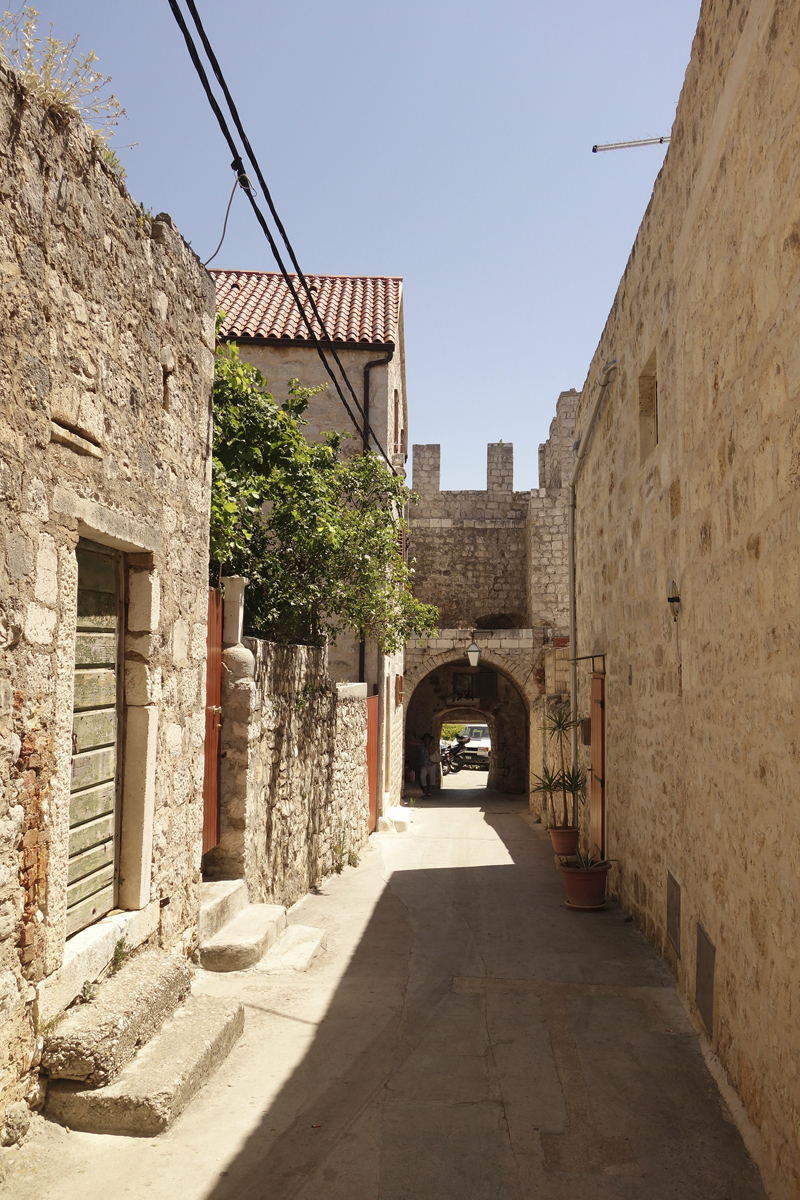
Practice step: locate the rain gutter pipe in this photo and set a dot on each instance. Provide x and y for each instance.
(606, 377)
(376, 362)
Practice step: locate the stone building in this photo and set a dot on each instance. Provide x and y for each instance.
(106, 354)
(688, 560)
(364, 316)
(495, 562)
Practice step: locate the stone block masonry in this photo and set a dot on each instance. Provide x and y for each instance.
(468, 546)
(106, 367)
(294, 792)
(496, 559)
(692, 476)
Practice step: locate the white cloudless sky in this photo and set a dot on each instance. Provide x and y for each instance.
(446, 142)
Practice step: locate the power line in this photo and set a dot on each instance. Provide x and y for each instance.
(238, 166)
(212, 58)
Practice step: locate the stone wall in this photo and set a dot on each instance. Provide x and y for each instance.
(106, 340)
(702, 711)
(294, 770)
(468, 544)
(547, 569)
(511, 655)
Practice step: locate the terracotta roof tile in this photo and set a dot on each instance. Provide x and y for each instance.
(355, 308)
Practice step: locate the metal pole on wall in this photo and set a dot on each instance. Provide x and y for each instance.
(606, 377)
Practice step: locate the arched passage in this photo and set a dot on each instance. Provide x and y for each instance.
(454, 691)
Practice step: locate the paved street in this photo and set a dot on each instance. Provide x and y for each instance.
(464, 1037)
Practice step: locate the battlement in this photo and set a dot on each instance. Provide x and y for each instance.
(557, 455)
(426, 470)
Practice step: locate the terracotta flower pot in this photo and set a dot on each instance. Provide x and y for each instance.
(564, 839)
(585, 886)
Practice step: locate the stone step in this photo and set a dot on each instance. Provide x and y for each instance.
(94, 1041)
(244, 940)
(155, 1086)
(294, 950)
(220, 902)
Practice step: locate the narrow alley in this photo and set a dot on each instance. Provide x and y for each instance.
(462, 1035)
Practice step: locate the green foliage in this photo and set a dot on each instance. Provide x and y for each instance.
(546, 785)
(587, 861)
(121, 952)
(559, 726)
(340, 850)
(313, 529)
(352, 857)
(449, 731)
(64, 82)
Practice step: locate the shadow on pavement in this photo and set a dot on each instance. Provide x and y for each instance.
(485, 1042)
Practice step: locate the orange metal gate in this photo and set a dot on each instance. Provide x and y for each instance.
(598, 798)
(372, 759)
(213, 720)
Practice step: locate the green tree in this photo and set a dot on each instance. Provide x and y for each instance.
(316, 531)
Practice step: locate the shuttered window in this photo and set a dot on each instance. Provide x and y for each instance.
(93, 800)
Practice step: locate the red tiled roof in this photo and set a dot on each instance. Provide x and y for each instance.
(355, 308)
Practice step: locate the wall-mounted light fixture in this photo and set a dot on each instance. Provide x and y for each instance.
(473, 652)
(673, 599)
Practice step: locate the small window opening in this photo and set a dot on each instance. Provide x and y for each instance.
(396, 423)
(648, 409)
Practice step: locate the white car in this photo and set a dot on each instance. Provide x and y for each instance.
(477, 751)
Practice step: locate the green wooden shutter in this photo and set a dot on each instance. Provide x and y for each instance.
(93, 802)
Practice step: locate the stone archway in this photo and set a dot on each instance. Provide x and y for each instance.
(498, 701)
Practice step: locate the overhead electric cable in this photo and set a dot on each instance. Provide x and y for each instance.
(227, 214)
(212, 58)
(238, 166)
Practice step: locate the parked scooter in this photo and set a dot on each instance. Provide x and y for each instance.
(453, 758)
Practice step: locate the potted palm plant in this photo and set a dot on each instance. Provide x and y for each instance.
(584, 878)
(545, 785)
(564, 835)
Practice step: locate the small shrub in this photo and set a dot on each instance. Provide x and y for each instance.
(352, 857)
(65, 83)
(121, 952)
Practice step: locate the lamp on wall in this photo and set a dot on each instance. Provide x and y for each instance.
(473, 652)
(673, 598)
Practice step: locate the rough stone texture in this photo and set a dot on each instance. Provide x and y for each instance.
(16, 1123)
(493, 561)
(158, 1084)
(90, 444)
(467, 545)
(94, 1041)
(293, 782)
(87, 955)
(702, 744)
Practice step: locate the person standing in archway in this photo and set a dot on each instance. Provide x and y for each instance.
(429, 759)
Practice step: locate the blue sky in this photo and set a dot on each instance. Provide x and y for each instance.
(446, 142)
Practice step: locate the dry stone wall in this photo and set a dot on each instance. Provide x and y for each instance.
(106, 360)
(702, 711)
(294, 792)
